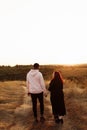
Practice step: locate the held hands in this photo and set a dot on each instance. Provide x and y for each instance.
(28, 94)
(46, 93)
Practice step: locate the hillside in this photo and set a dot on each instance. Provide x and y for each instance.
(15, 105)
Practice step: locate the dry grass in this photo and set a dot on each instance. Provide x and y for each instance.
(76, 102)
(11, 96)
(14, 116)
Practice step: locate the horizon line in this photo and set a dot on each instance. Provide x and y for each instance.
(46, 64)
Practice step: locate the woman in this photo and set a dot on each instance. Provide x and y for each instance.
(57, 97)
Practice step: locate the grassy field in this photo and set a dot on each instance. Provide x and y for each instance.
(76, 103)
(12, 97)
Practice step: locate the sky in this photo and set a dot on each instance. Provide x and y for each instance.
(43, 31)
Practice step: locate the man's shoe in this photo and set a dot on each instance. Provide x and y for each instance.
(57, 120)
(36, 120)
(42, 119)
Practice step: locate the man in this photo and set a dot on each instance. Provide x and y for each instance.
(36, 88)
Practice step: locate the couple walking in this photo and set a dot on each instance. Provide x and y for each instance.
(36, 88)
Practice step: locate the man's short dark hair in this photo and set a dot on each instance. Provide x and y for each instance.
(36, 66)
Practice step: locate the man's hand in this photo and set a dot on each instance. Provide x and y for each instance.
(46, 93)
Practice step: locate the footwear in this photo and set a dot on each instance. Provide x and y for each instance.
(42, 119)
(57, 120)
(36, 120)
(61, 120)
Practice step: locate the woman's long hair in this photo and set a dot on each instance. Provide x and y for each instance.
(57, 75)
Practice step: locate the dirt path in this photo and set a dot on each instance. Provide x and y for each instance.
(23, 119)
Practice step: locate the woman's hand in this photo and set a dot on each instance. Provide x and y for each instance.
(28, 94)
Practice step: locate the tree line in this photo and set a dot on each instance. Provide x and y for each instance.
(19, 72)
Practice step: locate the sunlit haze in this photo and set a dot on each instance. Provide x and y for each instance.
(43, 31)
